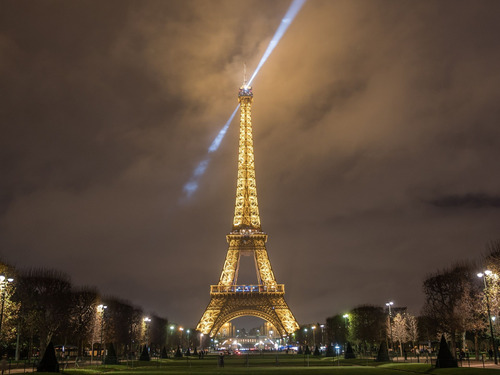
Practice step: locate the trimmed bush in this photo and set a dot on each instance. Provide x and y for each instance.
(316, 351)
(383, 353)
(445, 358)
(111, 358)
(164, 353)
(349, 353)
(307, 351)
(49, 361)
(178, 353)
(329, 351)
(145, 354)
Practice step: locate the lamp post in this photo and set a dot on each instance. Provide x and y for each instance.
(322, 326)
(102, 309)
(147, 320)
(171, 335)
(346, 319)
(4, 281)
(314, 335)
(188, 331)
(181, 330)
(305, 334)
(201, 341)
(389, 304)
(483, 275)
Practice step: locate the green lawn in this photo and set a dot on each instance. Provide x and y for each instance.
(271, 364)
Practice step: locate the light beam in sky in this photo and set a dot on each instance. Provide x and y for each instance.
(285, 22)
(192, 185)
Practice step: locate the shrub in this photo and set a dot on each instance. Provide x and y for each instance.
(49, 361)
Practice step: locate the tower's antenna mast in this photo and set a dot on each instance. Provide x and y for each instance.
(244, 74)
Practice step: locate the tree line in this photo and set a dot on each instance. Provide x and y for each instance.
(457, 300)
(42, 306)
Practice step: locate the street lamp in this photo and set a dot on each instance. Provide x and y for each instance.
(322, 326)
(314, 335)
(483, 275)
(305, 333)
(147, 320)
(4, 282)
(181, 330)
(389, 304)
(102, 309)
(201, 341)
(346, 319)
(188, 331)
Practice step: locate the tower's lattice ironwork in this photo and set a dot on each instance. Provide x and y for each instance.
(266, 299)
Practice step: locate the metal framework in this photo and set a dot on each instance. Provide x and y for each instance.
(266, 299)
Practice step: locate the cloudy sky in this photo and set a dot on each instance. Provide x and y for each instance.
(376, 134)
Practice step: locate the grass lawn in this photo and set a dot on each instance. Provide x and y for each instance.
(274, 365)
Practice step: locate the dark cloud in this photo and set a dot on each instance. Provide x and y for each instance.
(371, 121)
(476, 200)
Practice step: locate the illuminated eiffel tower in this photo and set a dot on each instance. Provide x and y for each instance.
(266, 299)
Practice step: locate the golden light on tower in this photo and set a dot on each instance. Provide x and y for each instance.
(265, 300)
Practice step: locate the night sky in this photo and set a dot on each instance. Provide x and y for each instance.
(376, 136)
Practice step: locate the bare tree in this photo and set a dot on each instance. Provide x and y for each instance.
(82, 316)
(412, 328)
(444, 292)
(45, 296)
(399, 331)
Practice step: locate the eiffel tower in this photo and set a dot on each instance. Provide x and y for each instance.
(266, 299)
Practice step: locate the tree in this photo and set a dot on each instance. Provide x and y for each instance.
(412, 328)
(316, 351)
(399, 331)
(45, 296)
(307, 351)
(157, 332)
(121, 323)
(443, 293)
(11, 308)
(336, 329)
(367, 325)
(82, 316)
(473, 312)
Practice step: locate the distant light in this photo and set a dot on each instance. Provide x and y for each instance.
(480, 274)
(488, 272)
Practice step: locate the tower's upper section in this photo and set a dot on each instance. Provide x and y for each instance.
(246, 210)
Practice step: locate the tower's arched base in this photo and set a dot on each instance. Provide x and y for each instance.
(268, 306)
